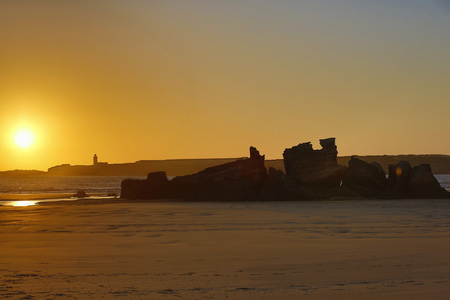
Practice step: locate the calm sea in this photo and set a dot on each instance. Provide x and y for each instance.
(61, 184)
(100, 186)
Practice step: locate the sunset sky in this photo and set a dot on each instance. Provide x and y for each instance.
(133, 80)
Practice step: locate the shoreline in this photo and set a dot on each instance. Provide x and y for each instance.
(69, 200)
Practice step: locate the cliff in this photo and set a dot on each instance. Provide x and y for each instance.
(175, 167)
(21, 173)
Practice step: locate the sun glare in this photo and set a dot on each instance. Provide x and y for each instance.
(23, 203)
(23, 138)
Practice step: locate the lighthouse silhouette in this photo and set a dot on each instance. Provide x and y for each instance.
(95, 159)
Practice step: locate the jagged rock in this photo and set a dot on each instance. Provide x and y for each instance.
(423, 184)
(317, 168)
(279, 187)
(367, 180)
(155, 186)
(158, 178)
(310, 175)
(240, 180)
(399, 178)
(418, 182)
(274, 185)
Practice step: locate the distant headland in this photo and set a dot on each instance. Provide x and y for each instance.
(440, 164)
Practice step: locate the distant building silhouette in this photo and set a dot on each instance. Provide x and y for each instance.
(96, 162)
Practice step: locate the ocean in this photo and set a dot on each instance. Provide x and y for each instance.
(102, 185)
(52, 188)
(29, 190)
(444, 180)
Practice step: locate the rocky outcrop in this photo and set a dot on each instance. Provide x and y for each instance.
(80, 194)
(367, 180)
(156, 186)
(310, 175)
(240, 180)
(404, 181)
(399, 178)
(418, 182)
(279, 187)
(316, 168)
(424, 185)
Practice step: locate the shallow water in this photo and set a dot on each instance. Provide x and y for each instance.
(29, 190)
(61, 184)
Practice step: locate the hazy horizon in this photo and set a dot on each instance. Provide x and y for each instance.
(158, 80)
(90, 163)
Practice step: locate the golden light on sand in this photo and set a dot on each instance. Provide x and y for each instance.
(23, 203)
(23, 138)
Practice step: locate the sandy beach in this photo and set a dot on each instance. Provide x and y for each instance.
(274, 250)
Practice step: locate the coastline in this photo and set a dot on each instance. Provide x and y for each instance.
(440, 164)
(372, 249)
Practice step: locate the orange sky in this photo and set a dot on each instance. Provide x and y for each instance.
(132, 80)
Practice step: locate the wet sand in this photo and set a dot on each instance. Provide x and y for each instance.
(285, 250)
(27, 197)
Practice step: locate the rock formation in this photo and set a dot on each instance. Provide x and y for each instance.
(156, 186)
(80, 194)
(279, 187)
(240, 180)
(367, 180)
(418, 182)
(317, 168)
(399, 177)
(310, 175)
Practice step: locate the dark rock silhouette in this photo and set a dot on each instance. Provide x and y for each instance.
(155, 186)
(279, 187)
(317, 168)
(399, 178)
(240, 180)
(417, 182)
(80, 194)
(310, 175)
(368, 180)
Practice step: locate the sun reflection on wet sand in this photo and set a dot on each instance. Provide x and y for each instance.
(22, 203)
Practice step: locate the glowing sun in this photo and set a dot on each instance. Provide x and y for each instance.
(23, 138)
